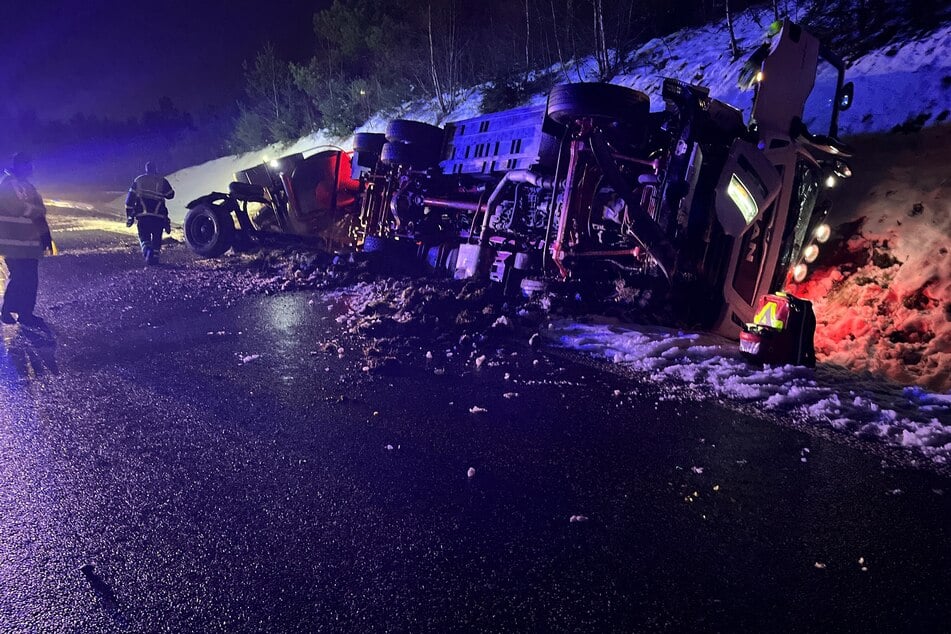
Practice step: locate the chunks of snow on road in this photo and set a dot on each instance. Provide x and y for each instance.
(908, 417)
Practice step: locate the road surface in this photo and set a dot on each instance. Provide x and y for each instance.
(177, 456)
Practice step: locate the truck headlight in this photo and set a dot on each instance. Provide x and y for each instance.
(811, 253)
(799, 272)
(823, 232)
(742, 198)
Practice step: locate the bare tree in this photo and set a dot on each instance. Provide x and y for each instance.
(600, 39)
(734, 48)
(557, 37)
(444, 64)
(528, 39)
(608, 50)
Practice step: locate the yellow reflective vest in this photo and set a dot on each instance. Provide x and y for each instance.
(147, 196)
(22, 218)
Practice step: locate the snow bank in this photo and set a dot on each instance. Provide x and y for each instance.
(884, 79)
(899, 83)
(882, 287)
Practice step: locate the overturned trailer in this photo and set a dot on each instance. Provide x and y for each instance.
(698, 210)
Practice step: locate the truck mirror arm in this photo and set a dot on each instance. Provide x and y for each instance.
(821, 142)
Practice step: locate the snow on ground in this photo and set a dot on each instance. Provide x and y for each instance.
(400, 315)
(397, 316)
(908, 418)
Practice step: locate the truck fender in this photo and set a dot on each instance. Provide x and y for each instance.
(210, 199)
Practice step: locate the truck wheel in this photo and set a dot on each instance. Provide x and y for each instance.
(369, 142)
(416, 132)
(568, 102)
(209, 230)
(409, 154)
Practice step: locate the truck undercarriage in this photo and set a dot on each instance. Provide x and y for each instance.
(700, 211)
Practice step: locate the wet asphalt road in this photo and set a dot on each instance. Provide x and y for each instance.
(158, 476)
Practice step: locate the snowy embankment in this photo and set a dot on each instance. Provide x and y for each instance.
(193, 182)
(882, 286)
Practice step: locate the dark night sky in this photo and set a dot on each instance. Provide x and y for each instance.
(118, 57)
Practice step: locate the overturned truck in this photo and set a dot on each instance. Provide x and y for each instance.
(696, 209)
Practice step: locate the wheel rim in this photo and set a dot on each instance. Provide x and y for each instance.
(203, 230)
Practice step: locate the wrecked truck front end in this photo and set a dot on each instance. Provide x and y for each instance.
(700, 212)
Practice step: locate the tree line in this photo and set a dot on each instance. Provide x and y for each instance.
(371, 55)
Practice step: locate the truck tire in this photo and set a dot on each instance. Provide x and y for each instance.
(366, 159)
(415, 132)
(409, 155)
(611, 102)
(368, 142)
(209, 230)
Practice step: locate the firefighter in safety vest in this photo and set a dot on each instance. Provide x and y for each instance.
(24, 236)
(146, 203)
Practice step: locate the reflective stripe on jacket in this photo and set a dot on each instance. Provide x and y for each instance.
(148, 194)
(22, 219)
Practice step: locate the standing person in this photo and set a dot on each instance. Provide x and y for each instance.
(145, 202)
(24, 236)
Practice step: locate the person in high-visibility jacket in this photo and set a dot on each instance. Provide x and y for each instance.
(145, 203)
(24, 237)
